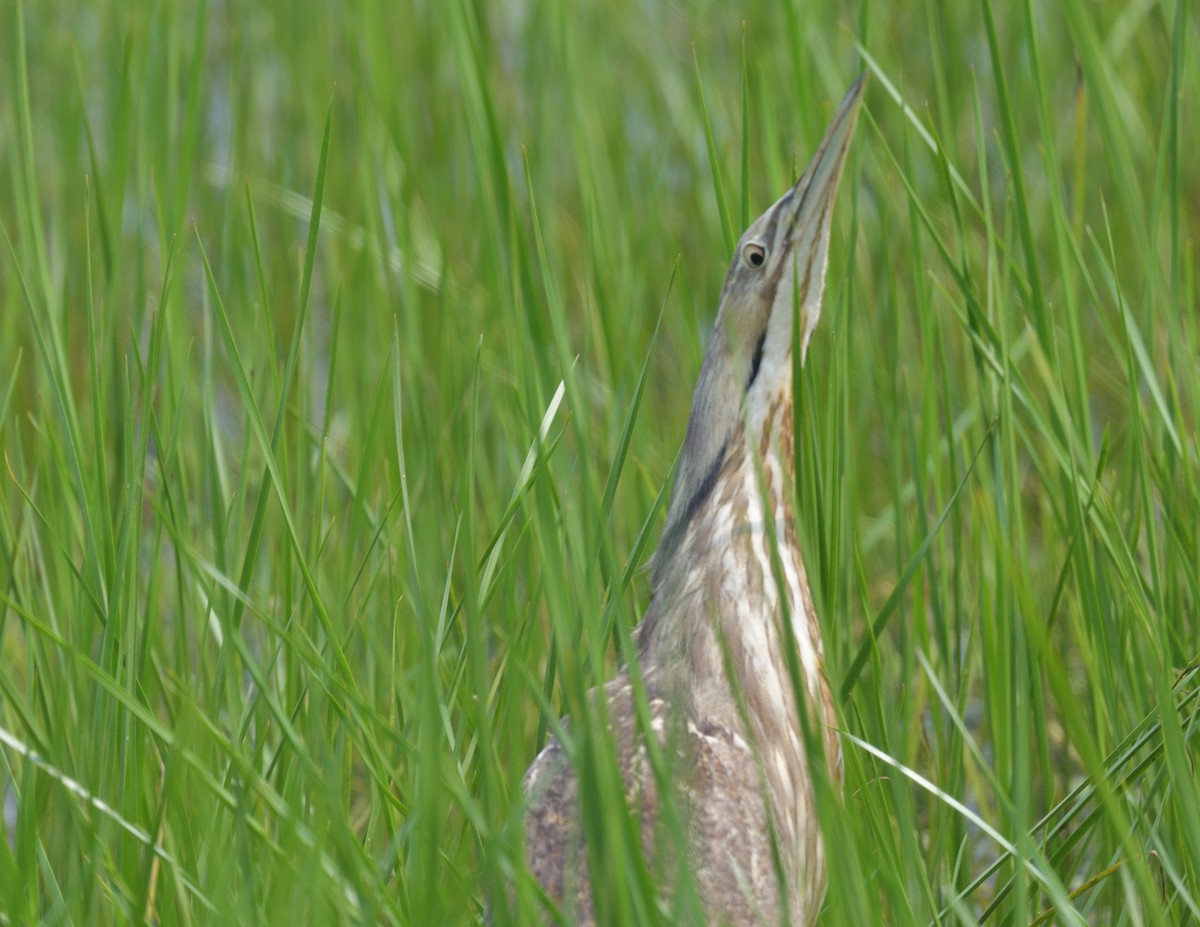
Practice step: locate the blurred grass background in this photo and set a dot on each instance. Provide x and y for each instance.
(336, 420)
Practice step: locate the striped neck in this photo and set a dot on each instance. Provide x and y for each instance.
(717, 626)
(718, 576)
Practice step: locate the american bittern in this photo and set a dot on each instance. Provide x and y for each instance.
(717, 608)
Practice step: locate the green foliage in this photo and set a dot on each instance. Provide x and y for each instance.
(344, 355)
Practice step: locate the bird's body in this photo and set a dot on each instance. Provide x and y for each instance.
(731, 603)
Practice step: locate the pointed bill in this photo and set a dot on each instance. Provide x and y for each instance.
(806, 210)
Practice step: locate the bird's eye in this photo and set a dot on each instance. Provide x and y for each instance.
(754, 254)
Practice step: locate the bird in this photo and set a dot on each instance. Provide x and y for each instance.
(728, 587)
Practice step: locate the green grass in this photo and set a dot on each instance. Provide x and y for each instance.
(344, 356)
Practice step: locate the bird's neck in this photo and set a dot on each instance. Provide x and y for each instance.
(732, 602)
(734, 582)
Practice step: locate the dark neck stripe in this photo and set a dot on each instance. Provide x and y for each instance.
(756, 360)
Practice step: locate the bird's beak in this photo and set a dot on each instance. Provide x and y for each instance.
(813, 194)
(808, 208)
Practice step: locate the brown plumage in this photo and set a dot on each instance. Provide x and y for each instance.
(740, 771)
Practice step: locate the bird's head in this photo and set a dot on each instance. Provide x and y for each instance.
(777, 274)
